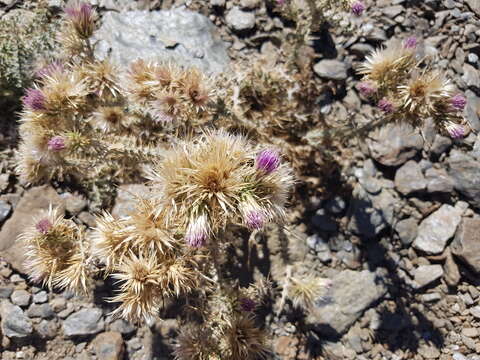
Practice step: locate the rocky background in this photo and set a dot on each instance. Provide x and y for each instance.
(400, 241)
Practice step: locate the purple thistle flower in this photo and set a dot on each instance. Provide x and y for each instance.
(367, 88)
(386, 106)
(56, 143)
(197, 232)
(254, 219)
(410, 43)
(458, 102)
(79, 11)
(456, 131)
(247, 304)
(82, 17)
(50, 69)
(43, 226)
(358, 8)
(34, 99)
(268, 161)
(281, 2)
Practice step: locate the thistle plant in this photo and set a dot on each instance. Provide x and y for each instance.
(405, 88)
(171, 246)
(34, 35)
(274, 103)
(85, 119)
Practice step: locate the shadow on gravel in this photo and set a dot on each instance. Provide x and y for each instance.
(402, 326)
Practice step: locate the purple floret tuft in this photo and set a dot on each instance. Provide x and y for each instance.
(358, 8)
(386, 106)
(56, 143)
(268, 161)
(34, 99)
(43, 226)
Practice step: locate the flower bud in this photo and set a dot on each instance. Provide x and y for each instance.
(56, 143)
(410, 43)
(268, 161)
(197, 232)
(82, 17)
(43, 226)
(358, 8)
(456, 131)
(386, 106)
(458, 102)
(367, 88)
(34, 99)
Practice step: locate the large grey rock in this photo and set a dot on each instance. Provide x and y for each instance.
(472, 109)
(34, 202)
(370, 214)
(43, 311)
(435, 231)
(409, 178)
(178, 35)
(427, 274)
(471, 76)
(5, 209)
(84, 322)
(440, 144)
(407, 230)
(331, 69)
(21, 297)
(438, 180)
(14, 322)
(109, 346)
(474, 5)
(450, 268)
(46, 329)
(240, 20)
(466, 244)
(351, 294)
(394, 144)
(465, 172)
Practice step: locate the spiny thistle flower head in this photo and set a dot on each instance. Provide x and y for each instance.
(205, 184)
(34, 99)
(358, 8)
(50, 69)
(139, 292)
(82, 17)
(410, 43)
(367, 88)
(56, 143)
(51, 245)
(458, 102)
(305, 291)
(389, 66)
(386, 106)
(253, 215)
(242, 339)
(426, 93)
(194, 343)
(197, 231)
(268, 161)
(456, 131)
(110, 119)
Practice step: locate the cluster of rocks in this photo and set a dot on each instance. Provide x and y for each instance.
(37, 324)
